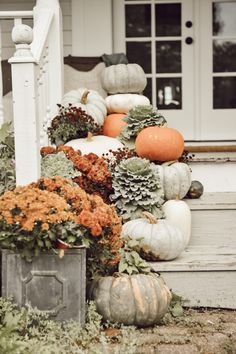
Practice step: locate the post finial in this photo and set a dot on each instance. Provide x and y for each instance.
(22, 36)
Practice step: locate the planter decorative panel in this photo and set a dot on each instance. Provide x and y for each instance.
(50, 283)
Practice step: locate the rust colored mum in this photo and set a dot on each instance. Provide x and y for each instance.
(96, 177)
(90, 210)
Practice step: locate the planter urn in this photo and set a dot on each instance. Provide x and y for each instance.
(50, 283)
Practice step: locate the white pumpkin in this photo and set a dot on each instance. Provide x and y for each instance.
(123, 102)
(178, 213)
(98, 144)
(159, 239)
(89, 100)
(176, 179)
(123, 78)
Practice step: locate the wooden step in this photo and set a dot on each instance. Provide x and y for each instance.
(205, 273)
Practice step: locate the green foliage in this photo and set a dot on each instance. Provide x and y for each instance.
(29, 245)
(7, 165)
(71, 123)
(58, 165)
(137, 188)
(130, 260)
(30, 331)
(138, 118)
(175, 309)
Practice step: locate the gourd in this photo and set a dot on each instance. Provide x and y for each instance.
(178, 213)
(123, 78)
(159, 239)
(176, 179)
(98, 144)
(123, 102)
(89, 100)
(159, 143)
(114, 124)
(139, 299)
(196, 189)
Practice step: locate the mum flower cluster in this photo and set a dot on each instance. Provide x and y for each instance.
(95, 175)
(33, 217)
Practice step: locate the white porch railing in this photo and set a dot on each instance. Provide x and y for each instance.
(37, 83)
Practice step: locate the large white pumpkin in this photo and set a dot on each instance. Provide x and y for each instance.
(89, 100)
(159, 239)
(178, 213)
(176, 179)
(98, 144)
(123, 78)
(123, 102)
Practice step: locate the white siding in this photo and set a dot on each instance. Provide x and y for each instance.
(91, 27)
(6, 25)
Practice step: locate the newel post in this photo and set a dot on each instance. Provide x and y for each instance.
(26, 129)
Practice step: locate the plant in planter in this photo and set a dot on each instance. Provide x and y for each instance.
(90, 171)
(137, 188)
(57, 164)
(34, 217)
(71, 123)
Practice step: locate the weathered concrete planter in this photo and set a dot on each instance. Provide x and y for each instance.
(49, 283)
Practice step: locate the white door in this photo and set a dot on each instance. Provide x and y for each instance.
(218, 69)
(180, 44)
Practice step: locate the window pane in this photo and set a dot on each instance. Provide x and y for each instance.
(224, 89)
(148, 90)
(168, 57)
(168, 19)
(138, 20)
(139, 53)
(224, 55)
(224, 22)
(169, 95)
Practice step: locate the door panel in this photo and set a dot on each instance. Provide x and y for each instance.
(187, 49)
(175, 65)
(218, 74)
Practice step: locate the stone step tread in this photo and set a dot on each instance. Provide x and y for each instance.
(200, 258)
(219, 200)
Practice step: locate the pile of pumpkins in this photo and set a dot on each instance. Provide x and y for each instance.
(161, 240)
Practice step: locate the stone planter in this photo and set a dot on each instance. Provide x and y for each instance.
(52, 284)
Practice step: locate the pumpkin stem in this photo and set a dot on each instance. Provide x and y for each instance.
(84, 97)
(89, 136)
(151, 218)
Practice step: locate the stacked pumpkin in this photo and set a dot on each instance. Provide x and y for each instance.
(164, 226)
(93, 105)
(148, 189)
(124, 84)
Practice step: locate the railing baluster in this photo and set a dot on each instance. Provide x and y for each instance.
(37, 82)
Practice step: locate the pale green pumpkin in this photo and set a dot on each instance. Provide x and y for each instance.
(139, 300)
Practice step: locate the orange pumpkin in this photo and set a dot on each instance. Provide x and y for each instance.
(159, 143)
(114, 124)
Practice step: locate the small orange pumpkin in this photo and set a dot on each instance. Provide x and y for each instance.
(114, 124)
(159, 143)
